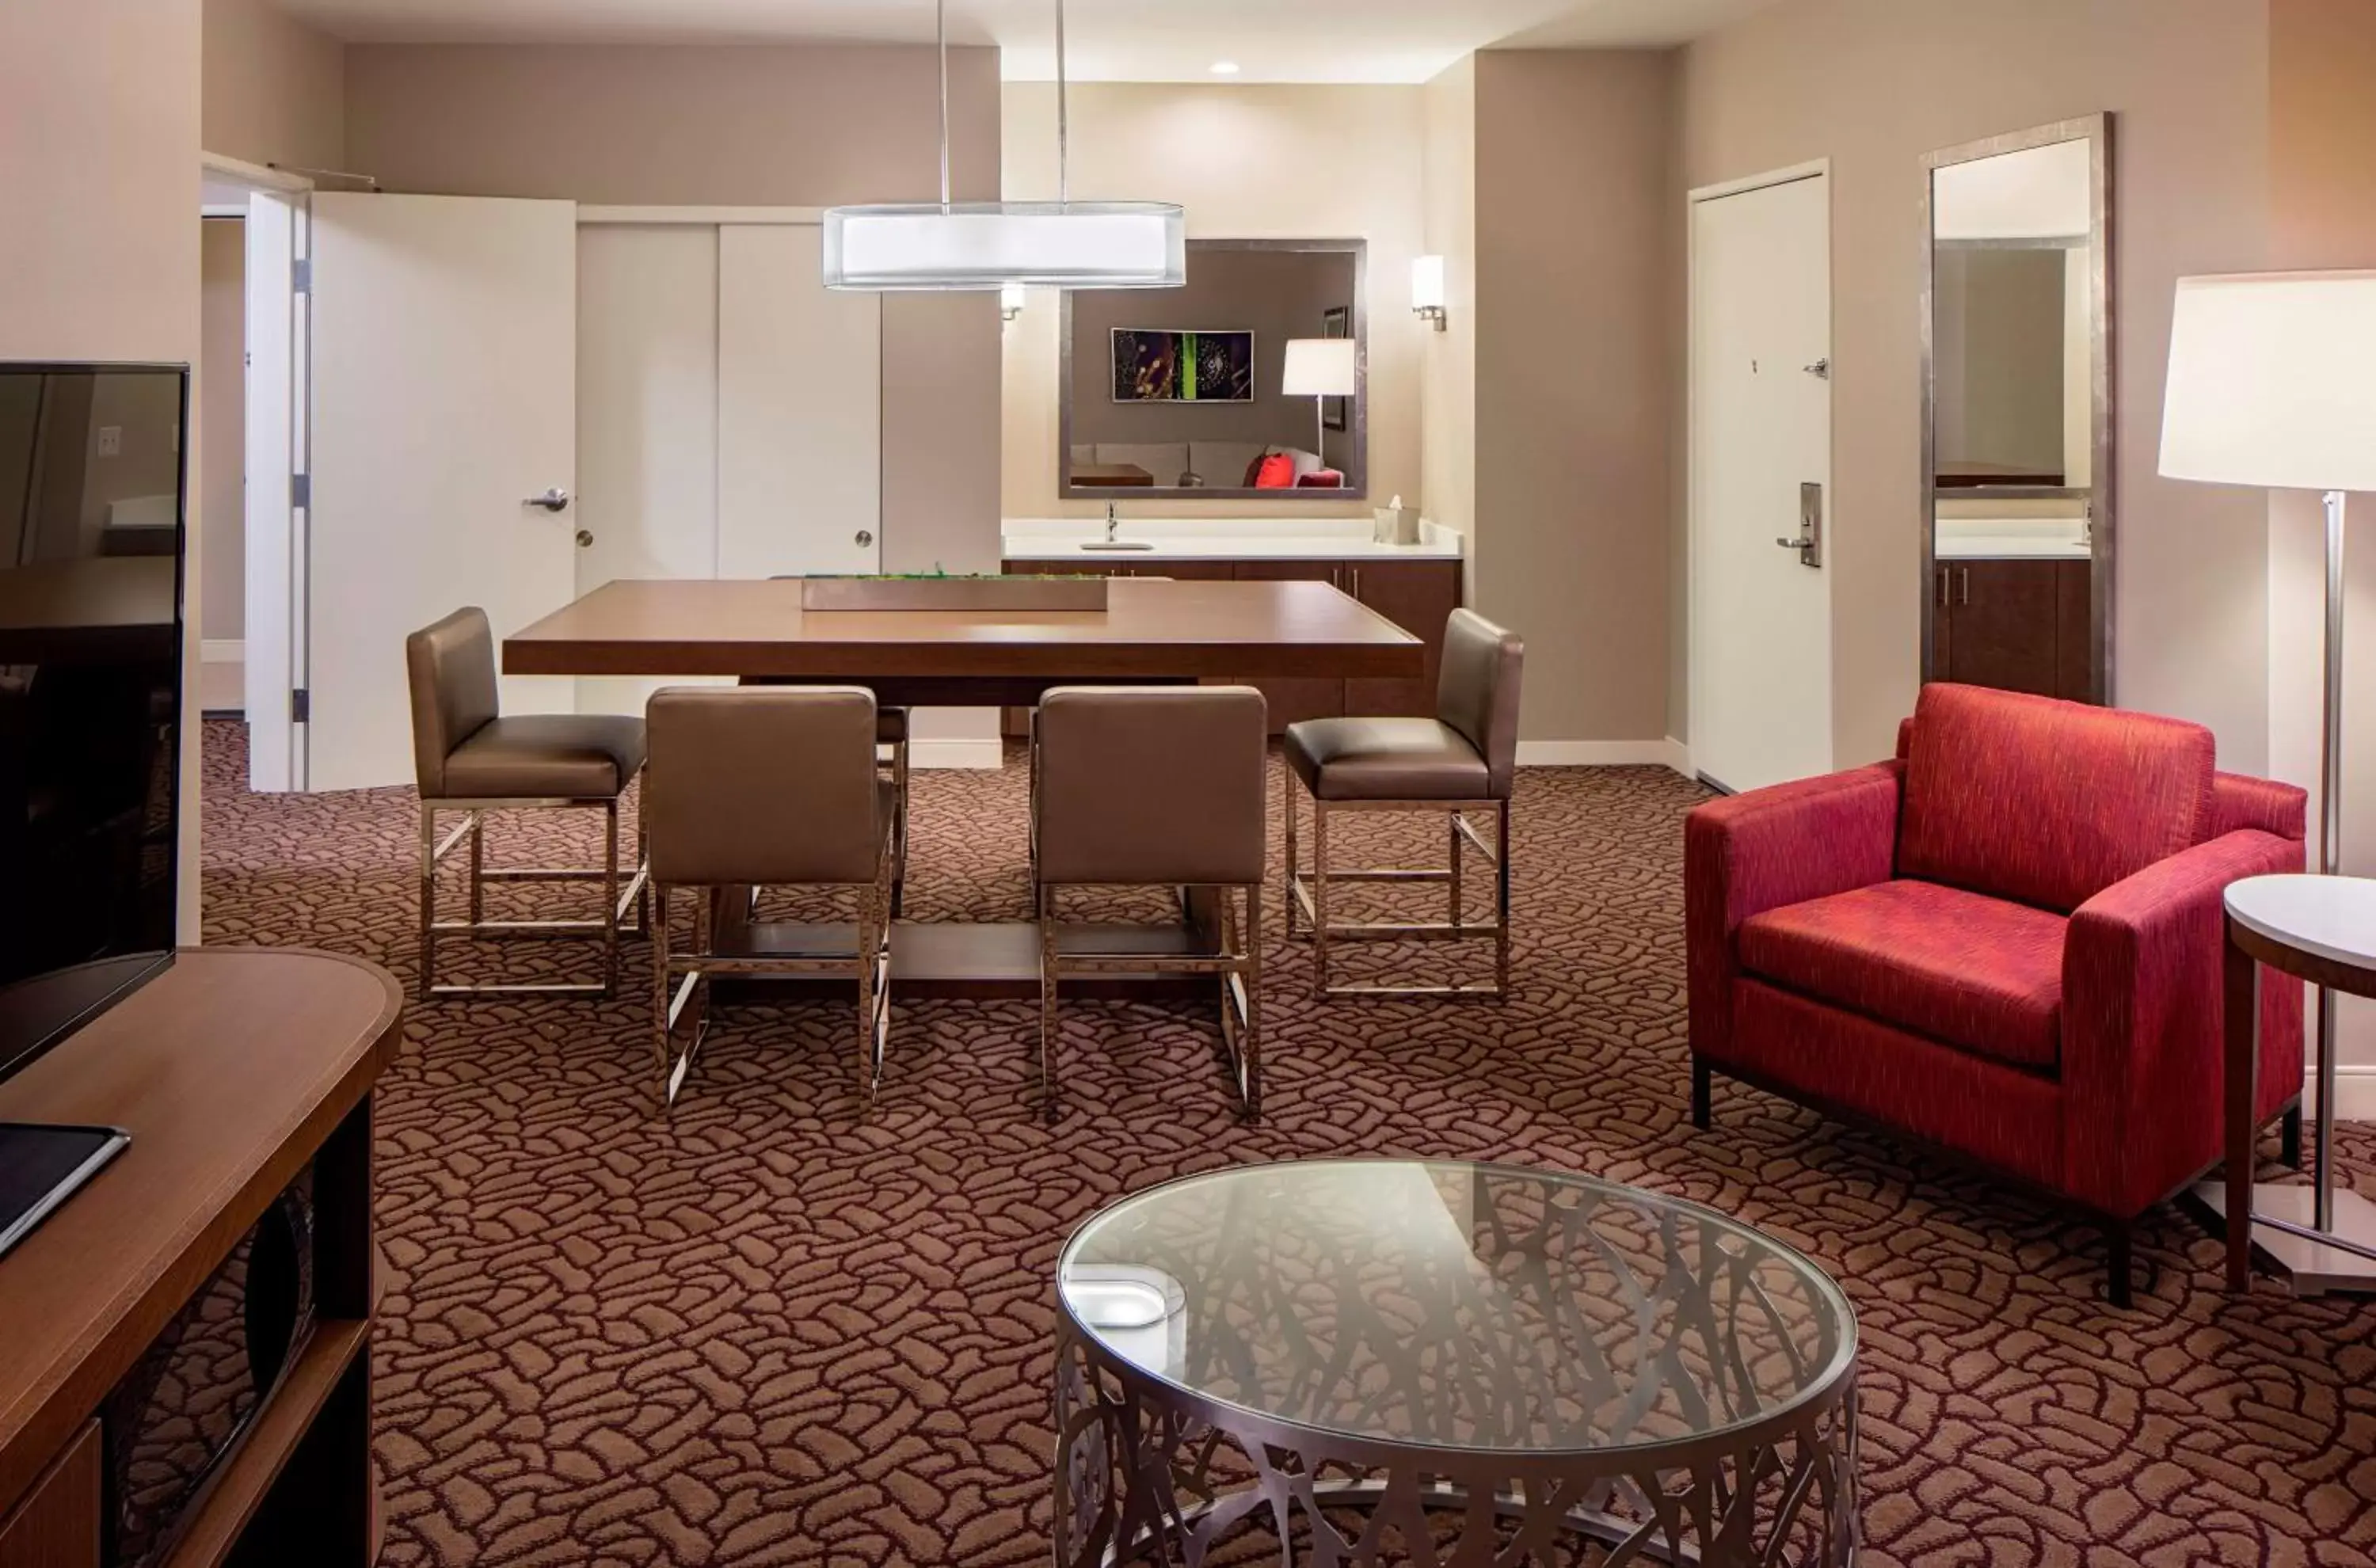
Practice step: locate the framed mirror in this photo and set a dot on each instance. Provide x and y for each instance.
(1251, 381)
(2017, 476)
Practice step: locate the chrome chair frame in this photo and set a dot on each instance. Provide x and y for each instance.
(1237, 966)
(609, 928)
(1308, 893)
(898, 750)
(677, 978)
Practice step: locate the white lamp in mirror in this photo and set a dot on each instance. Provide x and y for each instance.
(1319, 368)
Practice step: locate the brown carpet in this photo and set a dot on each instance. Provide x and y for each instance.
(767, 1330)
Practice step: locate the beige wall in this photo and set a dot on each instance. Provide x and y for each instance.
(786, 126)
(1873, 85)
(275, 89)
(98, 258)
(1448, 359)
(1577, 262)
(1249, 163)
(223, 424)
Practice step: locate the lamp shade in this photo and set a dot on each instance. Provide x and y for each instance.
(986, 245)
(1318, 367)
(2273, 381)
(1427, 282)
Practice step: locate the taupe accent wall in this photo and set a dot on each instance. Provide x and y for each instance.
(729, 126)
(275, 89)
(1875, 86)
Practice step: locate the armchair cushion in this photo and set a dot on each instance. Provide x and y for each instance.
(1975, 972)
(2043, 802)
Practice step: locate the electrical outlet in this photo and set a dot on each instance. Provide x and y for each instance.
(110, 441)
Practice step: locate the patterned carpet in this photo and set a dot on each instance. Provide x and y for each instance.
(767, 1330)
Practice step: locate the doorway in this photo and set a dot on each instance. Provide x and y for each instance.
(1761, 438)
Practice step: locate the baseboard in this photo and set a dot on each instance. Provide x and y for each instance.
(1665, 752)
(987, 753)
(2355, 1092)
(222, 675)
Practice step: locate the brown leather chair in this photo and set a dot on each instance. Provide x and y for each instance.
(1154, 787)
(891, 737)
(777, 786)
(466, 757)
(1463, 760)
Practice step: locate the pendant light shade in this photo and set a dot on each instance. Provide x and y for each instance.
(987, 244)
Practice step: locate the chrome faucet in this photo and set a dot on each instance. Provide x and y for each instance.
(1114, 521)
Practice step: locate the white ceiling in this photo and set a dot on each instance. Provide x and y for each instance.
(1296, 41)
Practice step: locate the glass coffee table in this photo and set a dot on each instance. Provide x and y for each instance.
(1330, 1361)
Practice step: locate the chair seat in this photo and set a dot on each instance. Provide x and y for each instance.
(1973, 971)
(578, 756)
(890, 726)
(1386, 759)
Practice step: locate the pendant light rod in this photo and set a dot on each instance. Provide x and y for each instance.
(941, 27)
(1064, 140)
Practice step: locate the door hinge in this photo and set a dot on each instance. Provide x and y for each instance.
(301, 706)
(301, 490)
(300, 275)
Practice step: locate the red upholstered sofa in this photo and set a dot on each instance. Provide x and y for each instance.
(2007, 942)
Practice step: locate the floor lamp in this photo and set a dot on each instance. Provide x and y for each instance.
(2273, 382)
(1318, 368)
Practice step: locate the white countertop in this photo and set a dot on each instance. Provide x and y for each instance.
(2329, 917)
(1234, 538)
(2011, 538)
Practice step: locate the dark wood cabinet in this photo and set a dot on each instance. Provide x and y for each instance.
(1418, 596)
(2018, 626)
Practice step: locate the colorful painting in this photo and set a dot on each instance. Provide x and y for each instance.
(1158, 365)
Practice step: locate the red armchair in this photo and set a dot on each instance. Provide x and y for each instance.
(2006, 943)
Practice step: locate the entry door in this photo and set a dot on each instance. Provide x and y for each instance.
(1761, 704)
(445, 401)
(800, 411)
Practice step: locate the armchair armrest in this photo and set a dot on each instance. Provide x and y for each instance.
(2142, 1037)
(1769, 848)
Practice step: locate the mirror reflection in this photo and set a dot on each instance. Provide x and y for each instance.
(2014, 417)
(1247, 381)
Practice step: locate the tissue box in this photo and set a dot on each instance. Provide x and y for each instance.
(1397, 524)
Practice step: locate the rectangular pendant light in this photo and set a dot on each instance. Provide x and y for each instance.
(987, 244)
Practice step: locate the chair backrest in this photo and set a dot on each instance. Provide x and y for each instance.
(2044, 802)
(761, 784)
(1477, 692)
(1152, 784)
(451, 670)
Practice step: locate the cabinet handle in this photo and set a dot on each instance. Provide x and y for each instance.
(1357, 582)
(1963, 584)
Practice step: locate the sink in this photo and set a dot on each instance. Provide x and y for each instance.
(1117, 544)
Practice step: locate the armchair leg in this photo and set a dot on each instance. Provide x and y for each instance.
(2119, 1255)
(2291, 1138)
(1701, 1085)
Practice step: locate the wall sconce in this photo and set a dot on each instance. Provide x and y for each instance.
(1010, 301)
(1427, 289)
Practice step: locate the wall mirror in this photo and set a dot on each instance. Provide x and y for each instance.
(2017, 474)
(1251, 381)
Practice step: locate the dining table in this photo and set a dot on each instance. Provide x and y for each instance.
(1151, 631)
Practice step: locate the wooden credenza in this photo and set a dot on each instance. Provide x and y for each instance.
(1417, 594)
(235, 1072)
(2017, 624)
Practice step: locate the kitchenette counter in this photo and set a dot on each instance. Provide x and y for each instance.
(1232, 540)
(2011, 538)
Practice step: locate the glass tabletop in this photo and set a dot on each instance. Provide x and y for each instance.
(1444, 1305)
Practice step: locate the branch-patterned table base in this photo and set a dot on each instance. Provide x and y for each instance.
(1140, 1479)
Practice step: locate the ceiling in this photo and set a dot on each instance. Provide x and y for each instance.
(1293, 41)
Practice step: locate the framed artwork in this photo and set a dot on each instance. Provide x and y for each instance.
(1160, 365)
(1336, 413)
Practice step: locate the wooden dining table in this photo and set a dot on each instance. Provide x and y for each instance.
(1152, 632)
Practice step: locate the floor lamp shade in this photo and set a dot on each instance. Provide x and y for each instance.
(1318, 367)
(2273, 381)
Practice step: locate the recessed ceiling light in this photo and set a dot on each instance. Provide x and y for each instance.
(1225, 67)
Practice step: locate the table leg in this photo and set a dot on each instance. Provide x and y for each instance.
(2240, 1008)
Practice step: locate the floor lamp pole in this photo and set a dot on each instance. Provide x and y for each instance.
(2330, 848)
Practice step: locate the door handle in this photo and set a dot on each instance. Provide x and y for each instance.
(864, 538)
(553, 500)
(585, 539)
(1809, 542)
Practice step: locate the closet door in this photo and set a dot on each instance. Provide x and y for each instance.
(647, 416)
(800, 411)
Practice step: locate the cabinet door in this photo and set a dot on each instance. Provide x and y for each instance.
(1293, 699)
(1943, 621)
(2074, 638)
(2004, 631)
(1418, 596)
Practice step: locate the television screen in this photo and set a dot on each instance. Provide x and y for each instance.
(92, 528)
(1159, 365)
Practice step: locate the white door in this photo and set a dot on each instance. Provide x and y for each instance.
(1761, 703)
(273, 571)
(647, 416)
(444, 392)
(800, 411)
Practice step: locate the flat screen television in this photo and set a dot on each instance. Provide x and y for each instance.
(94, 502)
